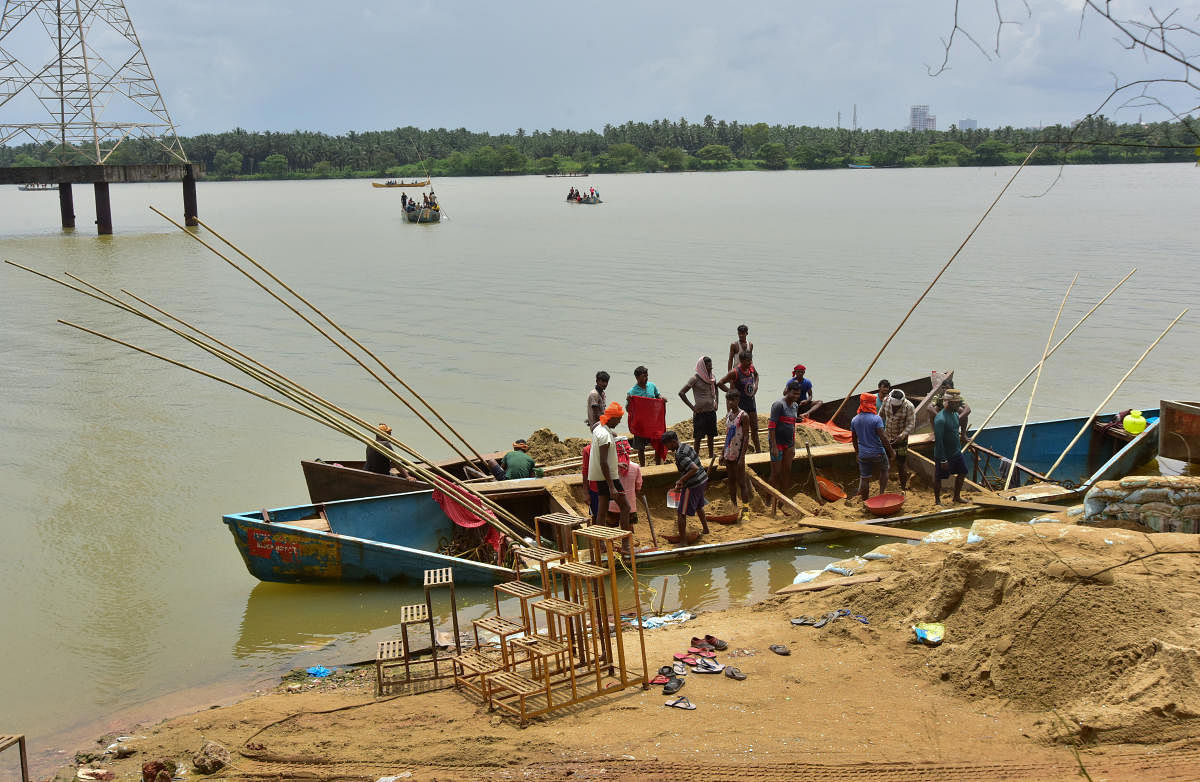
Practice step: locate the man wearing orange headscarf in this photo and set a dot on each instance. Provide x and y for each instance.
(870, 446)
(602, 465)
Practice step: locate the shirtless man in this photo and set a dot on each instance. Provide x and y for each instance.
(743, 343)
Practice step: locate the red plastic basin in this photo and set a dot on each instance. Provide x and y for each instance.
(830, 490)
(885, 504)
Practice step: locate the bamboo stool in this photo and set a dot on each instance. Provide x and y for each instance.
(19, 740)
(503, 628)
(604, 538)
(441, 577)
(541, 651)
(395, 653)
(543, 557)
(521, 687)
(474, 665)
(561, 525)
(523, 591)
(586, 583)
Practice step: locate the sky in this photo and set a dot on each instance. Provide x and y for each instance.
(375, 65)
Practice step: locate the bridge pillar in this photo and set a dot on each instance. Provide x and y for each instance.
(66, 205)
(190, 211)
(103, 209)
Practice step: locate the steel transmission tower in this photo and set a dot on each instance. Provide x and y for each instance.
(73, 75)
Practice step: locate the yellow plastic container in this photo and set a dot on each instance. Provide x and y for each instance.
(1134, 423)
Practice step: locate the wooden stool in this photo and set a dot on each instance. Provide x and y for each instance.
(390, 654)
(19, 740)
(503, 628)
(521, 687)
(586, 583)
(559, 527)
(523, 591)
(474, 665)
(543, 557)
(442, 577)
(604, 539)
(541, 650)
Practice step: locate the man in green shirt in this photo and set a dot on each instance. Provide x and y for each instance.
(517, 463)
(947, 447)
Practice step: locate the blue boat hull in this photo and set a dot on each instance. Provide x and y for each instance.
(389, 539)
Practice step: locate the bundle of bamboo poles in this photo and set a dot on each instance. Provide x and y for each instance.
(295, 397)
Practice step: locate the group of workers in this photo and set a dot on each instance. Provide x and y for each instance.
(429, 201)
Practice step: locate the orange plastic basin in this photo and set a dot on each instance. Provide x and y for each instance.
(830, 490)
(885, 504)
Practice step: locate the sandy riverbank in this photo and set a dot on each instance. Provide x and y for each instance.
(1049, 661)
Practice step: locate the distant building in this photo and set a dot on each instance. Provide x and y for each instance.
(919, 118)
(968, 124)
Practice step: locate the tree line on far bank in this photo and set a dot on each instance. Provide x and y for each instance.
(662, 145)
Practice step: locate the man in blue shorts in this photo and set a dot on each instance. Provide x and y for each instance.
(871, 447)
(947, 447)
(781, 440)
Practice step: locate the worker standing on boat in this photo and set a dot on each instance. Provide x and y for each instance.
(378, 462)
(734, 454)
(781, 440)
(693, 480)
(947, 447)
(744, 377)
(806, 404)
(899, 420)
(630, 474)
(596, 401)
(704, 411)
(603, 469)
(741, 345)
(870, 446)
(644, 387)
(404, 201)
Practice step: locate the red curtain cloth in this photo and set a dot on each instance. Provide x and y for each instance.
(464, 517)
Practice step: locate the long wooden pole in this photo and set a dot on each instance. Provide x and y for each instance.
(929, 287)
(325, 334)
(1012, 466)
(460, 494)
(845, 526)
(1111, 394)
(345, 334)
(1036, 366)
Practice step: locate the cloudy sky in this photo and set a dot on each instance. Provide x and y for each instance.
(371, 64)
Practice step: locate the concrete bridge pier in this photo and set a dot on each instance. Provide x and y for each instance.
(190, 211)
(66, 205)
(103, 209)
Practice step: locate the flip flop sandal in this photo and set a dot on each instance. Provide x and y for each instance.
(715, 669)
(673, 686)
(803, 621)
(735, 673)
(822, 621)
(708, 655)
(780, 649)
(696, 650)
(860, 618)
(681, 655)
(666, 670)
(660, 679)
(681, 702)
(716, 643)
(679, 669)
(838, 614)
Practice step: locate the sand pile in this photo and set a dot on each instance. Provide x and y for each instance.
(803, 433)
(1033, 617)
(546, 448)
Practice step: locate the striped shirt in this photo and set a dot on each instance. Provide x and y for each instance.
(685, 459)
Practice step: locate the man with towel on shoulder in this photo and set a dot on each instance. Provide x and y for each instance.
(870, 445)
(704, 411)
(947, 446)
(602, 467)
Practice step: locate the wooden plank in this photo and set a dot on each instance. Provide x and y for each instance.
(999, 502)
(816, 586)
(932, 466)
(857, 528)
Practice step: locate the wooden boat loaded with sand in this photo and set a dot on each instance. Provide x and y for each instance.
(397, 537)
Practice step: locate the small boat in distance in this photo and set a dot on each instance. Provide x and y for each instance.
(589, 196)
(394, 183)
(38, 186)
(859, 165)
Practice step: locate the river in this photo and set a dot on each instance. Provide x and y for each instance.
(123, 595)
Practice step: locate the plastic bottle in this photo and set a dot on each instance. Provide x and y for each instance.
(1134, 423)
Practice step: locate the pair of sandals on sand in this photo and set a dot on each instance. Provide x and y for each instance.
(818, 622)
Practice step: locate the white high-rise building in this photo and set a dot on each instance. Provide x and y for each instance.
(919, 118)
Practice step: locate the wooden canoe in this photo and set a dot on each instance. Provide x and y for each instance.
(400, 184)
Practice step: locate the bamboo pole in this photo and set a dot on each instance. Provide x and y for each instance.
(345, 334)
(325, 334)
(457, 490)
(929, 287)
(1012, 466)
(1112, 393)
(1036, 366)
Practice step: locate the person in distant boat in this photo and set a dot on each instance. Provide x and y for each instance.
(643, 387)
(404, 201)
(806, 405)
(704, 412)
(781, 440)
(379, 463)
(947, 446)
(517, 463)
(743, 343)
(596, 401)
(870, 446)
(744, 377)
